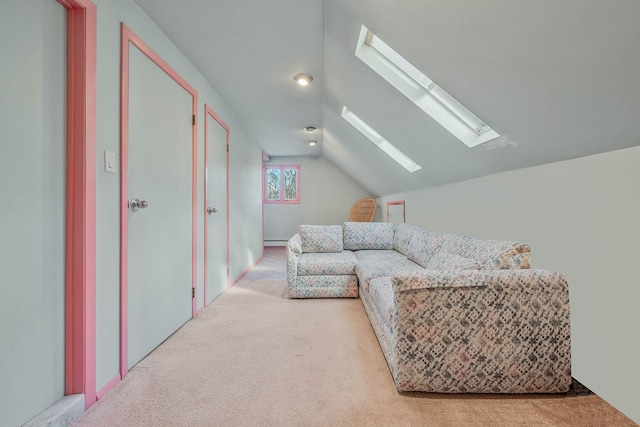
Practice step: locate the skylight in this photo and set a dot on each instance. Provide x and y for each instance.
(391, 150)
(427, 95)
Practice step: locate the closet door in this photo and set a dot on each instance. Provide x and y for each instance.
(216, 198)
(160, 206)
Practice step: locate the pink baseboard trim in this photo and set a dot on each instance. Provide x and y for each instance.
(244, 273)
(108, 386)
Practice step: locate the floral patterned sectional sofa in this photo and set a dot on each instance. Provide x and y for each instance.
(453, 314)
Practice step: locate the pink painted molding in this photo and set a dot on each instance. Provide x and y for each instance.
(262, 224)
(209, 111)
(80, 252)
(108, 386)
(128, 38)
(251, 267)
(282, 200)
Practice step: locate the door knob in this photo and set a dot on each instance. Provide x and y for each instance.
(211, 210)
(135, 204)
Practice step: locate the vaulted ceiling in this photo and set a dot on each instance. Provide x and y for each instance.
(561, 78)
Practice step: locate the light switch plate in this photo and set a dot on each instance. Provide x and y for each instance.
(110, 162)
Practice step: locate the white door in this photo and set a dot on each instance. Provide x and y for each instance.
(160, 230)
(395, 213)
(216, 218)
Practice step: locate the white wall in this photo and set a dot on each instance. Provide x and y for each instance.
(581, 218)
(245, 211)
(32, 119)
(326, 195)
(32, 207)
(245, 173)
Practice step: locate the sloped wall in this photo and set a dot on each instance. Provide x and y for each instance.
(581, 218)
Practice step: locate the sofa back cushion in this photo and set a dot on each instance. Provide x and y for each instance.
(423, 245)
(321, 238)
(368, 235)
(443, 260)
(490, 254)
(417, 243)
(403, 236)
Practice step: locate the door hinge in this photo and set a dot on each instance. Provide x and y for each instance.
(193, 292)
(193, 119)
(227, 148)
(227, 272)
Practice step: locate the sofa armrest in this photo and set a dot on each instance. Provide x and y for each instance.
(294, 251)
(469, 328)
(429, 279)
(294, 245)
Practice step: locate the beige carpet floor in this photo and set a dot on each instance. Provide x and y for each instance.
(256, 358)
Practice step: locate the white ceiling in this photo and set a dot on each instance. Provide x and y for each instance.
(562, 78)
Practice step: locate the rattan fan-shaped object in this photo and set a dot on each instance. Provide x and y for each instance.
(363, 210)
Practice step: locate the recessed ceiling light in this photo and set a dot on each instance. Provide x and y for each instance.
(303, 79)
(309, 129)
(312, 143)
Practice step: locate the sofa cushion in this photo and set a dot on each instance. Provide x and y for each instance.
(442, 260)
(327, 264)
(368, 235)
(423, 245)
(321, 238)
(402, 237)
(373, 269)
(385, 255)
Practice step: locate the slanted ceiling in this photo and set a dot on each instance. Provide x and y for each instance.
(562, 78)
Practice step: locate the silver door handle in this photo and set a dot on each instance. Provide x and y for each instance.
(211, 210)
(135, 204)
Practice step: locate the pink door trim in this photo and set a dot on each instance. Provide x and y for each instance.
(399, 202)
(80, 246)
(209, 111)
(128, 37)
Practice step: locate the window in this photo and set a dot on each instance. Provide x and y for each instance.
(420, 89)
(281, 184)
(390, 149)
